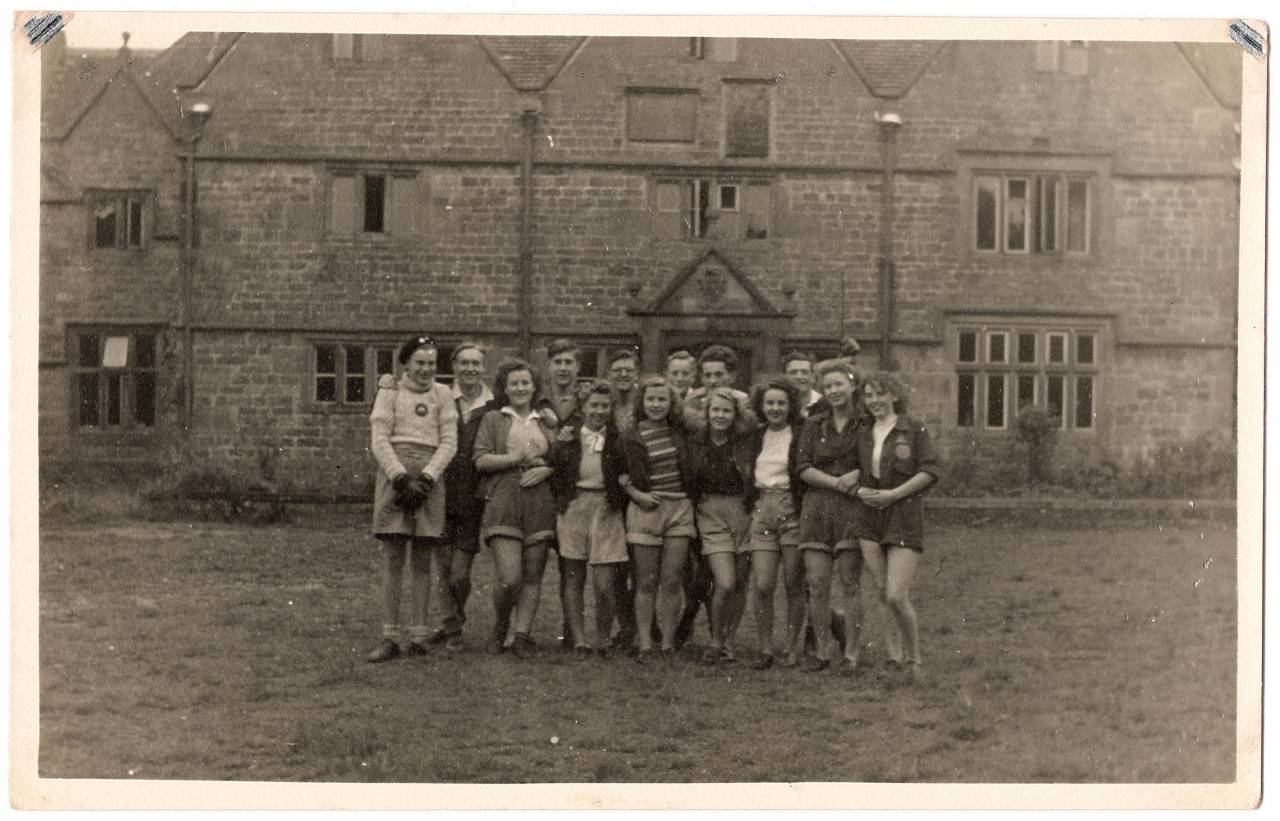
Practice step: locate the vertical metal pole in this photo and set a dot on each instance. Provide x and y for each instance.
(529, 124)
(187, 264)
(888, 150)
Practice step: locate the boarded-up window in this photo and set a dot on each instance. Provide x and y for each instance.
(662, 116)
(747, 120)
(755, 211)
(712, 208)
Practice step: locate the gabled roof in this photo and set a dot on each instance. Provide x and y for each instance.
(694, 291)
(889, 68)
(188, 61)
(80, 82)
(530, 63)
(55, 186)
(1218, 65)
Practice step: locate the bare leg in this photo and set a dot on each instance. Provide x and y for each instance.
(849, 571)
(877, 568)
(817, 565)
(534, 562)
(793, 581)
(901, 568)
(602, 581)
(393, 558)
(508, 566)
(737, 603)
(573, 580)
(646, 567)
(722, 571)
(674, 552)
(764, 577)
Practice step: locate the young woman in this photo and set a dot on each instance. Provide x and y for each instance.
(719, 467)
(828, 464)
(660, 518)
(512, 449)
(586, 465)
(897, 465)
(414, 435)
(773, 495)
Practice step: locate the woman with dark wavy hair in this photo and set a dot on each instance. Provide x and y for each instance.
(774, 493)
(512, 452)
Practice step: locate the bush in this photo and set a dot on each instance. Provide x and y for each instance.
(1204, 466)
(1037, 429)
(211, 491)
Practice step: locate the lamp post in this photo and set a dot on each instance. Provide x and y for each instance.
(195, 118)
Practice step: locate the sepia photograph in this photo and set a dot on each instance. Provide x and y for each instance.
(638, 405)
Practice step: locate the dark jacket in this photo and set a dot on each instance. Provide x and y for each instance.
(907, 450)
(566, 459)
(700, 443)
(754, 445)
(637, 459)
(461, 479)
(822, 447)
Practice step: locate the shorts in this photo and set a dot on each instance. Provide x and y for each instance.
(672, 518)
(723, 525)
(463, 532)
(899, 525)
(527, 514)
(774, 523)
(424, 522)
(591, 531)
(827, 521)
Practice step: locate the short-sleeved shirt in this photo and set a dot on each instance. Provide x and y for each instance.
(771, 465)
(830, 451)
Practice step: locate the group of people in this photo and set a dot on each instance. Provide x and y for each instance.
(656, 489)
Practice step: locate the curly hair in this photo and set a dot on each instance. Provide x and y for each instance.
(657, 381)
(886, 382)
(508, 367)
(737, 427)
(793, 400)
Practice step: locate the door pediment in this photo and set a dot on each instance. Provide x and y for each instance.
(711, 285)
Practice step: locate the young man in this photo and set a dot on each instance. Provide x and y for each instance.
(472, 398)
(717, 368)
(562, 387)
(798, 367)
(680, 372)
(624, 369)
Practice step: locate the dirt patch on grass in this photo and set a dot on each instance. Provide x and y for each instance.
(204, 651)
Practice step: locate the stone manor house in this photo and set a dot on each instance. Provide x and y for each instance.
(237, 231)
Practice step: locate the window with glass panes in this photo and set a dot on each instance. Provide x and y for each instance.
(346, 373)
(119, 219)
(1031, 213)
(113, 377)
(706, 207)
(1002, 368)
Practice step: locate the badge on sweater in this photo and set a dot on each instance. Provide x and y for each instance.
(903, 450)
(421, 409)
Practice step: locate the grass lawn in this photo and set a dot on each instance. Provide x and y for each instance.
(203, 651)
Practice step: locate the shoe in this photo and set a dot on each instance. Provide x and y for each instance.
(646, 658)
(763, 663)
(582, 650)
(523, 646)
(790, 660)
(438, 636)
(847, 666)
(497, 642)
(669, 656)
(726, 656)
(386, 651)
(712, 656)
(417, 648)
(601, 653)
(454, 643)
(813, 664)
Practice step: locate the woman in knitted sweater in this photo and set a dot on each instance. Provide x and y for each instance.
(414, 435)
